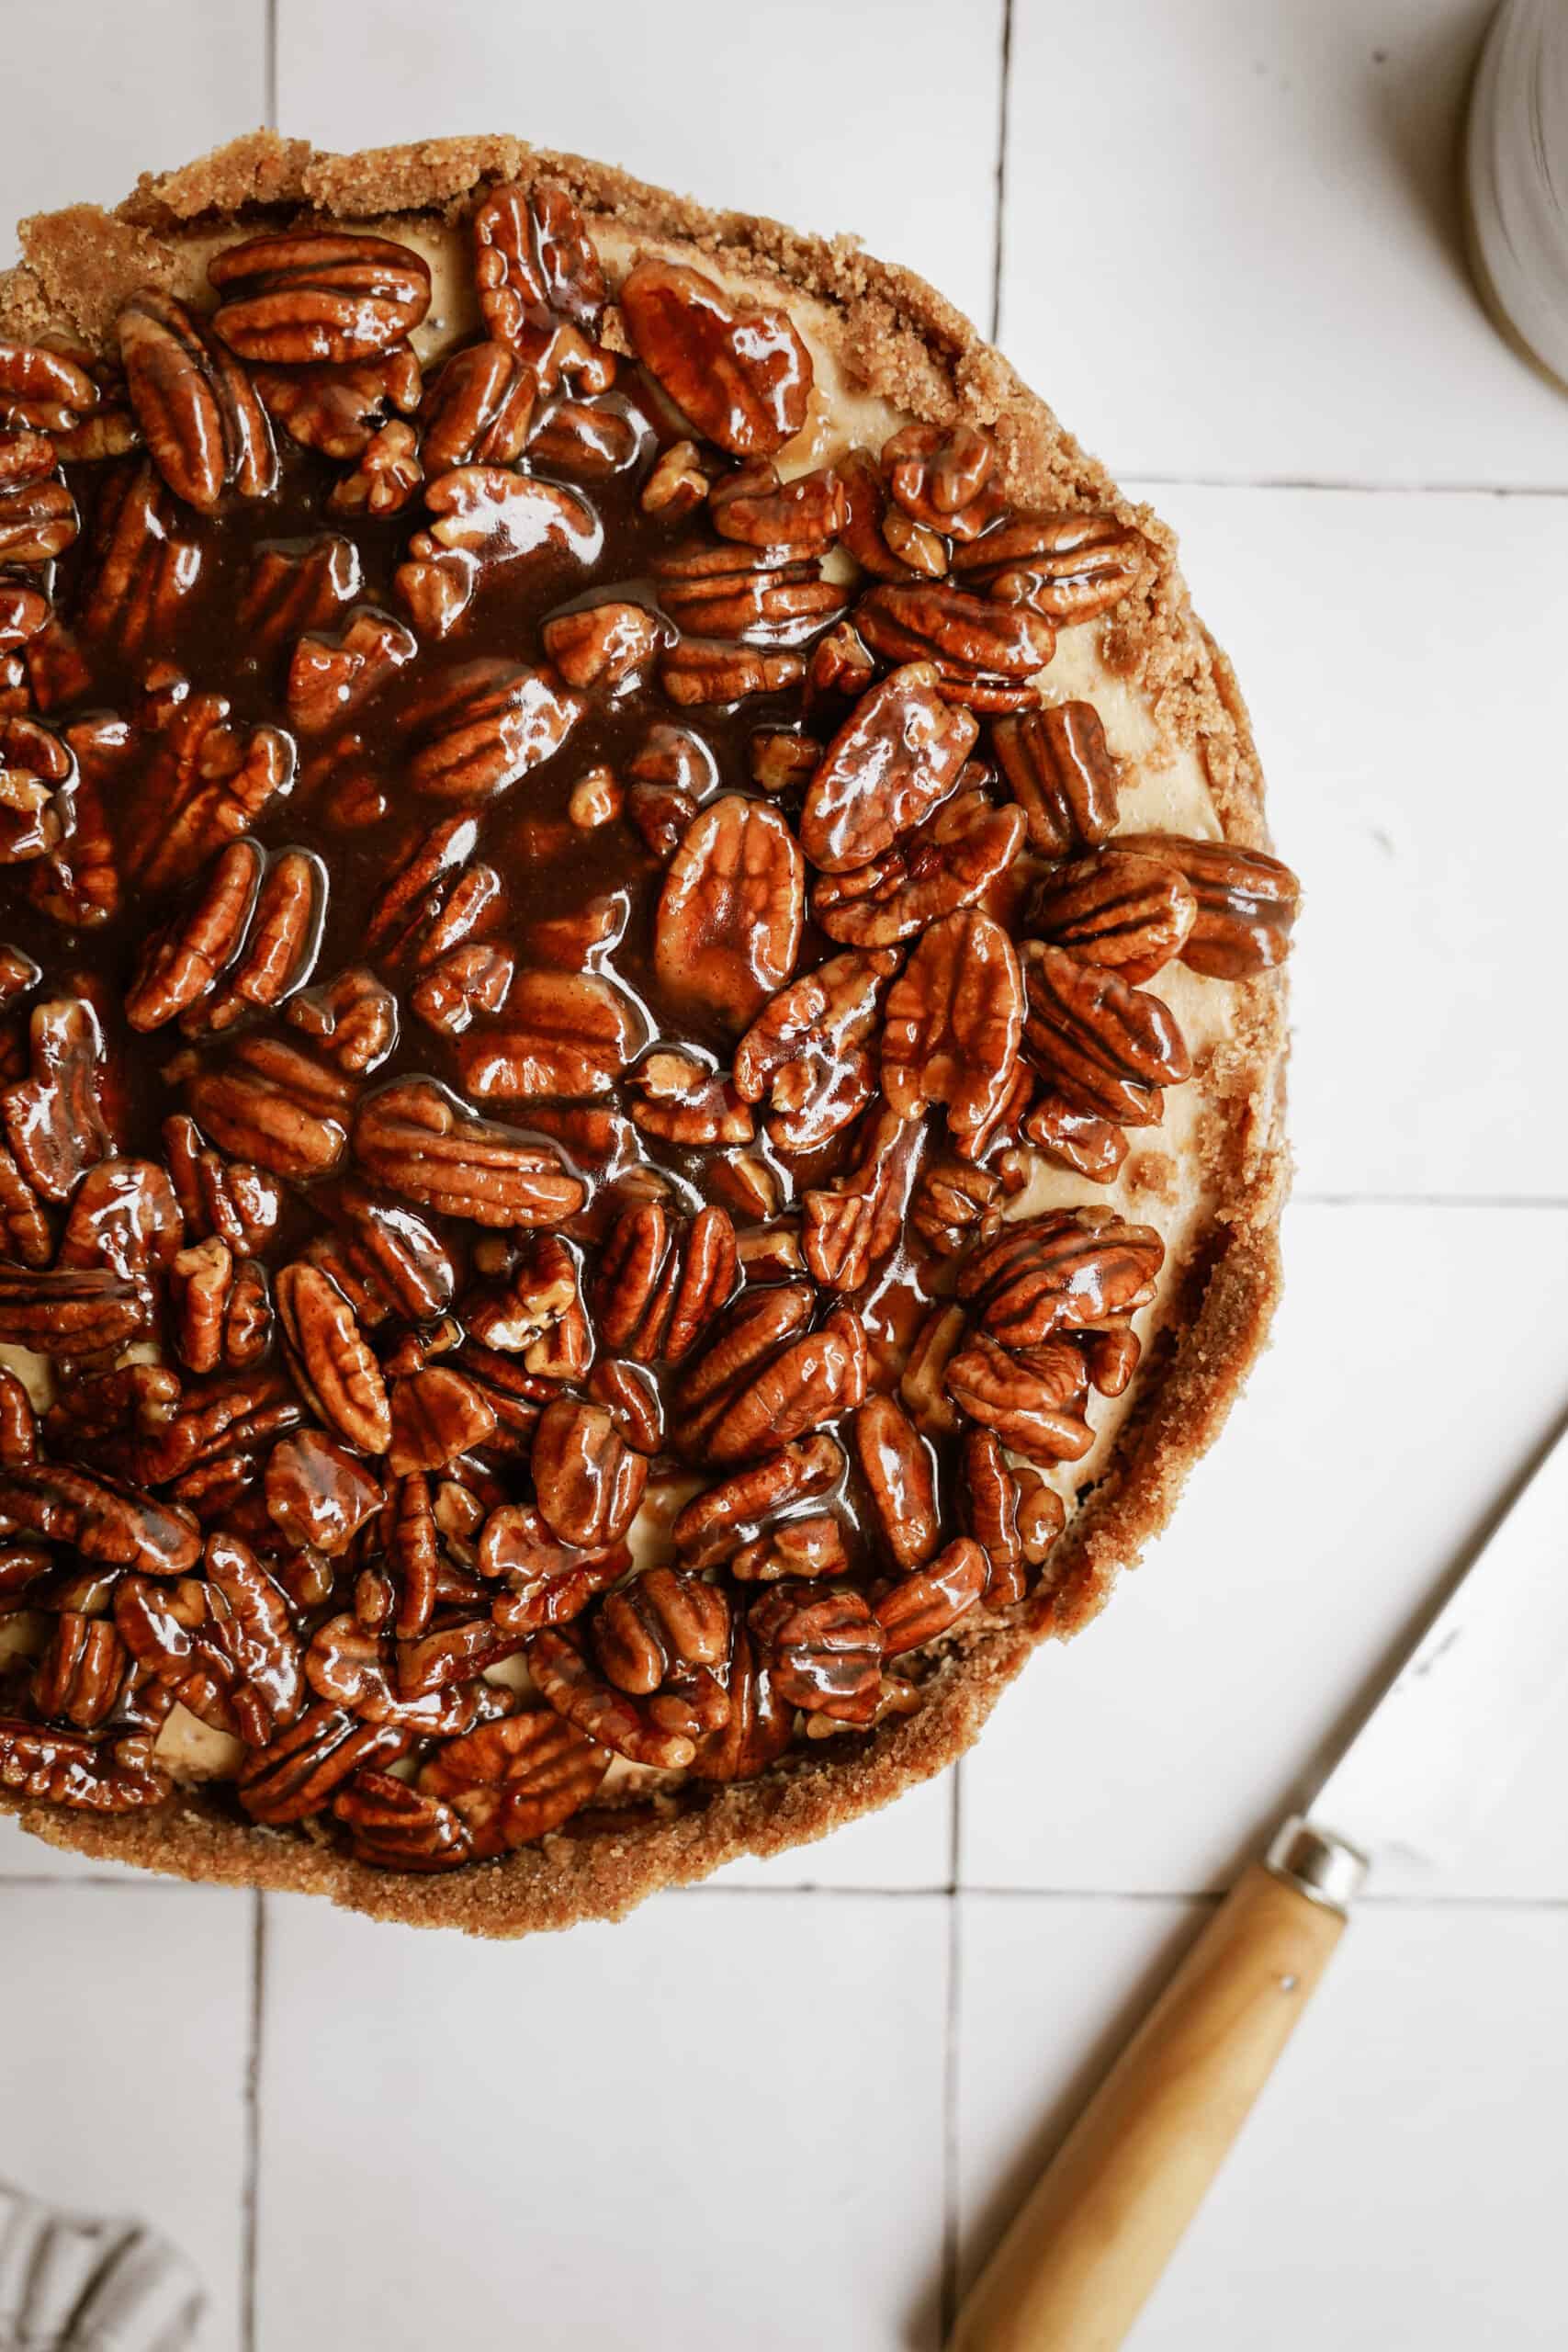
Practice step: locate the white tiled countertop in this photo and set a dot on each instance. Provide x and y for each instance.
(792, 2106)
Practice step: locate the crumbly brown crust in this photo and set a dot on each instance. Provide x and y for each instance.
(895, 336)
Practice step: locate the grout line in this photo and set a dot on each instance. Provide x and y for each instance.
(1211, 1894)
(1429, 1200)
(951, 2048)
(1136, 475)
(252, 2110)
(269, 83)
(1003, 110)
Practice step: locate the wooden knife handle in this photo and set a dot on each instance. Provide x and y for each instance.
(1080, 2261)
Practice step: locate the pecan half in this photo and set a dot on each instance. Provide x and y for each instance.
(80, 1671)
(102, 1519)
(548, 1582)
(205, 426)
(339, 411)
(731, 910)
(896, 1462)
(954, 1018)
(65, 1768)
(854, 1223)
(1108, 1047)
(352, 1017)
(1071, 567)
(534, 259)
(967, 635)
(807, 1052)
(437, 1413)
(43, 389)
(329, 677)
(36, 773)
(1034, 1403)
(565, 1034)
(802, 515)
(1080, 1140)
(358, 1671)
(569, 1684)
(717, 1524)
(275, 1106)
(483, 726)
(318, 1493)
(239, 1202)
(1245, 902)
(659, 1283)
(514, 1781)
(317, 295)
(601, 645)
(1127, 913)
(658, 1638)
(332, 1361)
(943, 478)
(208, 782)
(53, 1119)
(295, 1774)
(476, 409)
(895, 757)
(948, 864)
(761, 1720)
(394, 1827)
(37, 514)
(489, 511)
(124, 1216)
(699, 671)
(296, 586)
(812, 1379)
(751, 594)
(1011, 1513)
(181, 963)
(1062, 775)
(743, 377)
(280, 945)
(925, 1605)
(146, 566)
(588, 1482)
(72, 1311)
(416, 1139)
(823, 1648)
(1066, 1270)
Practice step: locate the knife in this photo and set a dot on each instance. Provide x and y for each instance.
(1413, 1783)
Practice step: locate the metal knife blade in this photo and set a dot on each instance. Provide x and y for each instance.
(1449, 1732)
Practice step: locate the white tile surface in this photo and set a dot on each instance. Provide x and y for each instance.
(123, 2078)
(1154, 1750)
(148, 88)
(1394, 720)
(22, 1857)
(1397, 2183)
(675, 2131)
(699, 98)
(1234, 246)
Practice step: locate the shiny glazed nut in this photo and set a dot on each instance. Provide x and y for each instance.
(1034, 1403)
(731, 910)
(318, 1493)
(895, 757)
(928, 1603)
(954, 1018)
(516, 1779)
(533, 257)
(947, 864)
(823, 1648)
(476, 409)
(587, 1481)
(1245, 902)
(291, 298)
(1072, 567)
(415, 1139)
(943, 479)
(962, 633)
(896, 1462)
(1129, 915)
(1062, 775)
(603, 646)
(1108, 1047)
(1066, 1270)
(331, 1358)
(742, 376)
(204, 424)
(1091, 1146)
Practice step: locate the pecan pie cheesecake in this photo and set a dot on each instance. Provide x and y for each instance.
(640, 1024)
